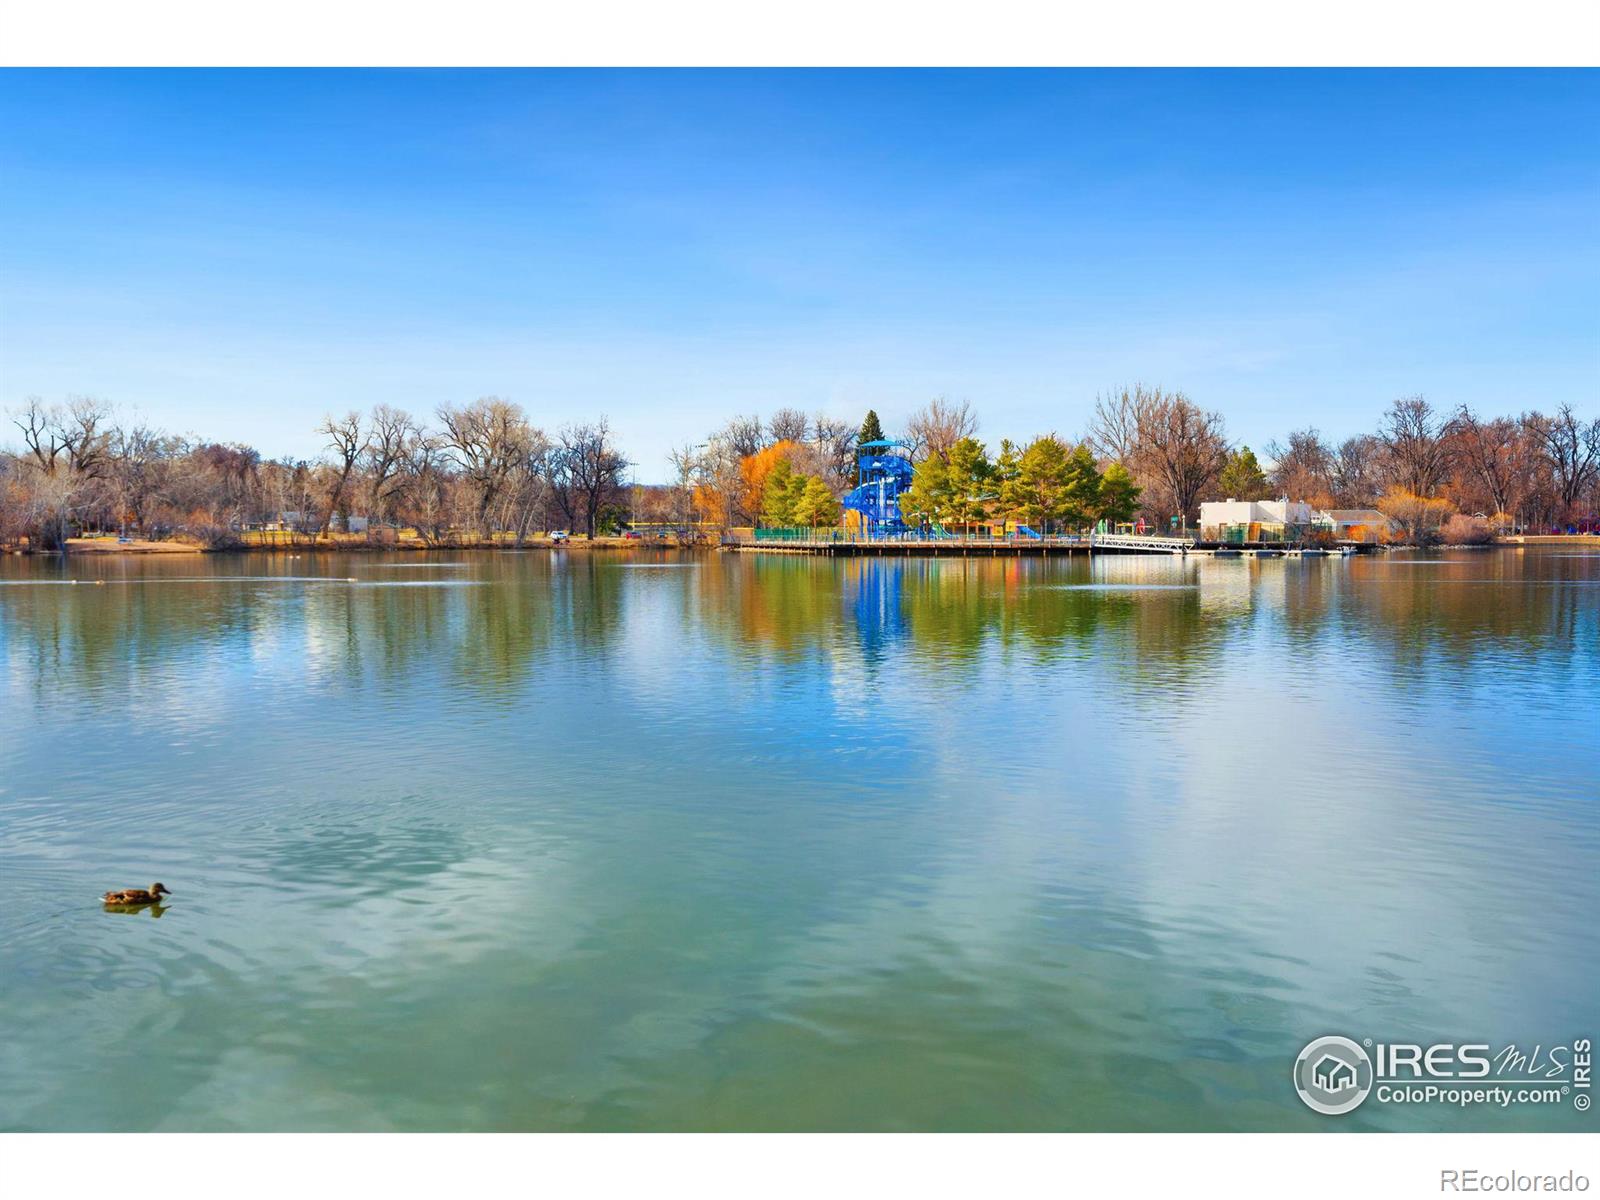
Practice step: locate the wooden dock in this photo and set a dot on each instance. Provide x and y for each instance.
(1043, 547)
(934, 547)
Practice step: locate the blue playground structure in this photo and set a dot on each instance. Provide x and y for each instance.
(883, 471)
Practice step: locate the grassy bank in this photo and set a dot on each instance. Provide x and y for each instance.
(1550, 539)
(255, 542)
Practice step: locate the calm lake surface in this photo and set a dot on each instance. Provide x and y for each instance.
(573, 841)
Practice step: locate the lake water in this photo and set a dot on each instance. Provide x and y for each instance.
(572, 841)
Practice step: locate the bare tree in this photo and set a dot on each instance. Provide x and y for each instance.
(137, 455)
(1181, 449)
(348, 441)
(835, 442)
(933, 429)
(302, 492)
(788, 425)
(718, 479)
(686, 469)
(743, 436)
(85, 442)
(39, 434)
(489, 439)
(586, 471)
(527, 493)
(1354, 471)
(67, 436)
(220, 485)
(67, 456)
(1113, 432)
(392, 431)
(1417, 452)
(1492, 453)
(1570, 448)
(1304, 468)
(423, 501)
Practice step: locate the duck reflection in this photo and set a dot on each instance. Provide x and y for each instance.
(154, 907)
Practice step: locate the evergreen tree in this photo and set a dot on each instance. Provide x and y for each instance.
(1008, 479)
(1042, 481)
(970, 481)
(795, 488)
(1242, 477)
(1083, 487)
(871, 431)
(778, 495)
(928, 497)
(816, 504)
(1119, 495)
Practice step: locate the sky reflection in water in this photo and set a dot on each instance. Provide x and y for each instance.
(784, 843)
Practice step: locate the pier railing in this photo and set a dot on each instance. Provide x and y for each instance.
(1142, 541)
(851, 537)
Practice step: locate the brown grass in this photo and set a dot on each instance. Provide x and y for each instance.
(111, 545)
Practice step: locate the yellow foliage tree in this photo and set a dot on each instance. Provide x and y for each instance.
(754, 470)
(1421, 516)
(712, 504)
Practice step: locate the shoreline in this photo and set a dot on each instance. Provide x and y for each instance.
(108, 547)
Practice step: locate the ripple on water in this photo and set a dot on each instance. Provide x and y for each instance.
(421, 583)
(1123, 587)
(796, 844)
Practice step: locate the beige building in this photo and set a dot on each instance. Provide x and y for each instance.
(1269, 519)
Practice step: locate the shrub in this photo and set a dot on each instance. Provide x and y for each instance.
(1462, 530)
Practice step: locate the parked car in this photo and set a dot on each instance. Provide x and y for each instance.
(559, 535)
(632, 533)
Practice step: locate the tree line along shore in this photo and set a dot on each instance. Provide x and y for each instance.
(77, 477)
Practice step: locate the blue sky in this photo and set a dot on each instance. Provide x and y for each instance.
(234, 253)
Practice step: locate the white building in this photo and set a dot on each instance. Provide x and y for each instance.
(1279, 514)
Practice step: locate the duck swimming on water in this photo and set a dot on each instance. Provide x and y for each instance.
(152, 895)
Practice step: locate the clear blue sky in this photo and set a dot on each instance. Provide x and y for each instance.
(236, 252)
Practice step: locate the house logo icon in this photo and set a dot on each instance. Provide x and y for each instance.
(1332, 1075)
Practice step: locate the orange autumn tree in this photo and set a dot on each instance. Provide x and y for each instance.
(711, 503)
(1420, 516)
(754, 470)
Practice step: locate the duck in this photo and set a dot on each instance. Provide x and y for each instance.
(152, 895)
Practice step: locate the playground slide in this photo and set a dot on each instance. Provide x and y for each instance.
(1026, 532)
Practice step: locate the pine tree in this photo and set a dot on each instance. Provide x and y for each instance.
(793, 490)
(928, 497)
(1008, 479)
(1119, 495)
(1083, 487)
(1242, 477)
(815, 505)
(871, 431)
(777, 495)
(1043, 481)
(970, 481)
